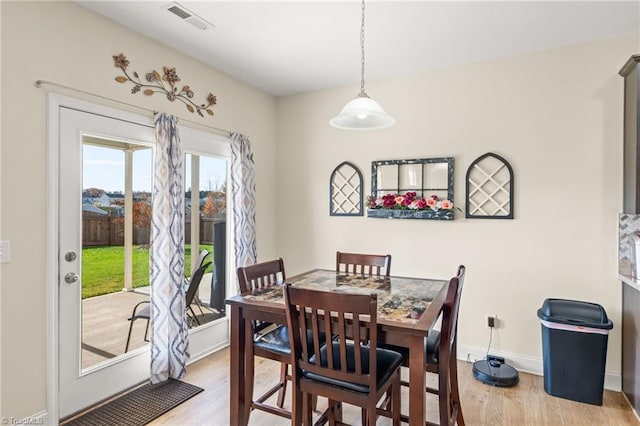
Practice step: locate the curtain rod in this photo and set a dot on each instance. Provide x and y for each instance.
(39, 83)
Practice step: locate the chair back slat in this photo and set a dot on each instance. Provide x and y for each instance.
(328, 332)
(315, 331)
(346, 317)
(261, 275)
(357, 338)
(363, 264)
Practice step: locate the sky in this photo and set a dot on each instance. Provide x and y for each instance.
(104, 168)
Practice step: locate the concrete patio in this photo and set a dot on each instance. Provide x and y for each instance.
(105, 322)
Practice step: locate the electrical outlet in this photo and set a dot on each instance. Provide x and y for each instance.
(492, 321)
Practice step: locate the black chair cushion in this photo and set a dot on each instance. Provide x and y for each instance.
(431, 344)
(277, 340)
(387, 363)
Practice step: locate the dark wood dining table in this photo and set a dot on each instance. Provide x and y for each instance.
(407, 310)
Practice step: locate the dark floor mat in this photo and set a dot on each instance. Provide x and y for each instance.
(140, 406)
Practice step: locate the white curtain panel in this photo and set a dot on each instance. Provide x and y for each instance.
(243, 191)
(169, 329)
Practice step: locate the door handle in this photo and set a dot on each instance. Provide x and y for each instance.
(71, 278)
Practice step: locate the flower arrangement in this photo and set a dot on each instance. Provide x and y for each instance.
(409, 201)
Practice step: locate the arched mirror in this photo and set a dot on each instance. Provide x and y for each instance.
(489, 188)
(345, 191)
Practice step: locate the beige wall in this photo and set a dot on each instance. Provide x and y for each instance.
(68, 44)
(555, 115)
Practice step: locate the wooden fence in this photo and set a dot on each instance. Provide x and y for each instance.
(102, 230)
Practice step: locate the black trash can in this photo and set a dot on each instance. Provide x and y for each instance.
(574, 349)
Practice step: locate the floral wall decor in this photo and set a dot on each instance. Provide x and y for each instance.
(165, 83)
(412, 189)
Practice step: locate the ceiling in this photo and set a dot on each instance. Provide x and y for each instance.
(292, 47)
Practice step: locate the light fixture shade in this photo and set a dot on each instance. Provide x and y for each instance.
(362, 113)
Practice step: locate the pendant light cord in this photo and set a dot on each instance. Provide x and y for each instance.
(362, 112)
(362, 52)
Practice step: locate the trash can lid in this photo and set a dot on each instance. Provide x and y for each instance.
(575, 312)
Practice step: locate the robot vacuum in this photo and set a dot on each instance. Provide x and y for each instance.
(494, 371)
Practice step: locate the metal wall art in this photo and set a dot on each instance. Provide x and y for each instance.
(489, 188)
(155, 84)
(412, 189)
(345, 191)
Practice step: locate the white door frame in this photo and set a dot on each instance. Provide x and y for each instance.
(54, 102)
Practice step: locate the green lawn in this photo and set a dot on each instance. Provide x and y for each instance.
(103, 268)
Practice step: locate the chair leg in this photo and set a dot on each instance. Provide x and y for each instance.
(338, 411)
(444, 392)
(297, 407)
(146, 331)
(395, 400)
(455, 393)
(284, 369)
(306, 407)
(199, 304)
(249, 372)
(195, 317)
(335, 412)
(126, 348)
(372, 414)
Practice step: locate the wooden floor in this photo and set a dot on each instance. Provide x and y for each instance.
(524, 404)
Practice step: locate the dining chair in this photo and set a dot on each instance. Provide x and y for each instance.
(142, 310)
(441, 351)
(269, 341)
(363, 264)
(342, 370)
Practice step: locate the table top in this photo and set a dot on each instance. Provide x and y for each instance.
(399, 299)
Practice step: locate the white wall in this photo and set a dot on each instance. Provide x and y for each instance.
(68, 44)
(555, 115)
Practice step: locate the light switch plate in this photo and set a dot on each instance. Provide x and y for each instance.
(5, 251)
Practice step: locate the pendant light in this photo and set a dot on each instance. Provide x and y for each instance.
(362, 112)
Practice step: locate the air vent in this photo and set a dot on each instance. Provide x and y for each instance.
(181, 13)
(186, 15)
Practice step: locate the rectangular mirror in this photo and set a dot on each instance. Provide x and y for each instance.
(423, 188)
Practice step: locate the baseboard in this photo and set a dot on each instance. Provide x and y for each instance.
(198, 356)
(528, 364)
(631, 405)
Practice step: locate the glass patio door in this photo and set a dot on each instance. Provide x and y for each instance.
(207, 225)
(104, 209)
(105, 176)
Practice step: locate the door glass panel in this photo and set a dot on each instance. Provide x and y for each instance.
(116, 216)
(205, 229)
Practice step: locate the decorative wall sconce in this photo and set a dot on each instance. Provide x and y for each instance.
(155, 84)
